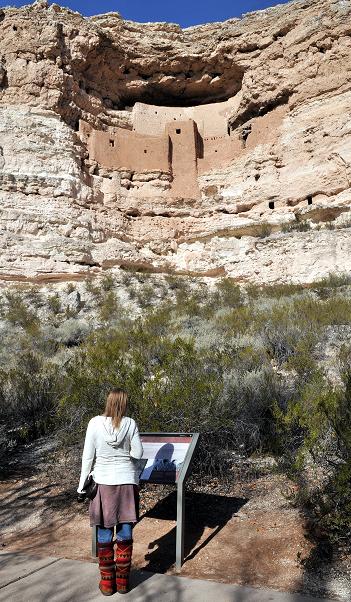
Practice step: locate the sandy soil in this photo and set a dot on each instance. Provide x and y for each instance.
(249, 535)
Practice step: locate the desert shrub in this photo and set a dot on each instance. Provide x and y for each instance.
(336, 310)
(34, 296)
(127, 276)
(171, 384)
(316, 428)
(70, 288)
(54, 303)
(236, 321)
(146, 296)
(109, 307)
(18, 313)
(29, 393)
(264, 230)
(93, 289)
(71, 332)
(179, 285)
(333, 281)
(71, 311)
(107, 282)
(250, 397)
(273, 291)
(228, 293)
(303, 226)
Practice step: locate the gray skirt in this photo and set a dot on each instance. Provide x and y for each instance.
(114, 504)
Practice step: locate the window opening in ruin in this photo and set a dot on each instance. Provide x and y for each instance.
(309, 200)
(145, 151)
(111, 143)
(271, 204)
(178, 131)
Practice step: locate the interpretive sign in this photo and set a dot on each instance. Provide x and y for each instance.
(167, 459)
(163, 457)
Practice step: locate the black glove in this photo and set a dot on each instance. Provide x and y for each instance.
(81, 497)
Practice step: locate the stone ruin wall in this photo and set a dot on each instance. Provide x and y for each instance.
(184, 143)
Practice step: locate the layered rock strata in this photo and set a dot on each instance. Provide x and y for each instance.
(263, 194)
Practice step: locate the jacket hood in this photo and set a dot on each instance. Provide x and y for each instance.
(115, 437)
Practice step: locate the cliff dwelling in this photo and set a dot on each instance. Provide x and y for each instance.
(178, 143)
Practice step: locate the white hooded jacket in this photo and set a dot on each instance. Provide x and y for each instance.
(114, 452)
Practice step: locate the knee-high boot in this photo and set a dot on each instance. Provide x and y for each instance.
(107, 584)
(123, 563)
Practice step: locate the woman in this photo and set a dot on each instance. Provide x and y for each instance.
(113, 441)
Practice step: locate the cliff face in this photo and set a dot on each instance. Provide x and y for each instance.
(274, 207)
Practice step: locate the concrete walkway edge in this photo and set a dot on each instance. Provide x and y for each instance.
(26, 578)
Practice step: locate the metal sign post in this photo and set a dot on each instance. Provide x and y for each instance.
(183, 476)
(167, 459)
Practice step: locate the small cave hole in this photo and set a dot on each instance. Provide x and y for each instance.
(155, 112)
(145, 151)
(228, 130)
(133, 212)
(215, 151)
(76, 125)
(245, 132)
(14, 27)
(178, 130)
(271, 204)
(112, 143)
(309, 200)
(257, 176)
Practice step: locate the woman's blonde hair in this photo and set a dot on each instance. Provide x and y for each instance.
(116, 406)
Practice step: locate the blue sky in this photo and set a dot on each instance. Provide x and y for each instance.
(184, 12)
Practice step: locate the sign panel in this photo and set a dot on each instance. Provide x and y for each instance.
(163, 457)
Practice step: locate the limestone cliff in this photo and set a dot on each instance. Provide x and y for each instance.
(266, 199)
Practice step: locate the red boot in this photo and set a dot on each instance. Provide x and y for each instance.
(107, 585)
(123, 563)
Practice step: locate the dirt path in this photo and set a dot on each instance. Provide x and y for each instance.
(251, 535)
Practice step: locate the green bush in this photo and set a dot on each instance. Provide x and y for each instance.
(18, 313)
(264, 230)
(303, 226)
(107, 282)
(70, 288)
(228, 293)
(54, 303)
(29, 394)
(110, 308)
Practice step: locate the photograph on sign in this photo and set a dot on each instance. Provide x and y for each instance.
(164, 457)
